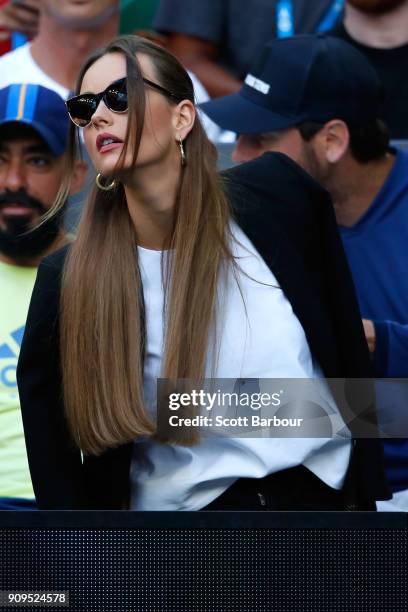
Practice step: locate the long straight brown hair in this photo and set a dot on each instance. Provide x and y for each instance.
(102, 322)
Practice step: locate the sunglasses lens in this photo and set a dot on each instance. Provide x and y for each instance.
(116, 96)
(81, 109)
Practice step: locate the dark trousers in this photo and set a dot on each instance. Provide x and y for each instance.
(294, 489)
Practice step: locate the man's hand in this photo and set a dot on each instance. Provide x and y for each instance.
(369, 331)
(21, 17)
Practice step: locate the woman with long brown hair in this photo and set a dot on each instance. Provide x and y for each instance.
(161, 281)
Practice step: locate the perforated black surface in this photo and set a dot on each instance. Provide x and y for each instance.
(200, 570)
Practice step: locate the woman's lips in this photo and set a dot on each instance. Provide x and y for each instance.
(110, 147)
(108, 142)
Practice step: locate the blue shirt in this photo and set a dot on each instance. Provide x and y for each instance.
(377, 251)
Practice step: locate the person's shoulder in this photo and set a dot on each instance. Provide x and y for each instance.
(15, 67)
(18, 67)
(339, 31)
(47, 290)
(54, 262)
(57, 258)
(270, 163)
(15, 56)
(275, 176)
(398, 176)
(401, 154)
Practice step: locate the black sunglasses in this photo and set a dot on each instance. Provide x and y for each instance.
(81, 108)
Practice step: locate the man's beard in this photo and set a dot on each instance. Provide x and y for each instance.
(19, 240)
(376, 7)
(309, 162)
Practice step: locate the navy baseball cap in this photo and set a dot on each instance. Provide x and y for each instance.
(297, 79)
(40, 108)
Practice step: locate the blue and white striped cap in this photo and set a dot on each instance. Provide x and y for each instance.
(39, 107)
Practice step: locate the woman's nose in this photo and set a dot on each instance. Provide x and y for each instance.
(102, 115)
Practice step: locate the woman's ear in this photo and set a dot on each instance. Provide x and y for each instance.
(183, 119)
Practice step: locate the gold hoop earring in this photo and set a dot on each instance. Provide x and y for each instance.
(103, 187)
(182, 153)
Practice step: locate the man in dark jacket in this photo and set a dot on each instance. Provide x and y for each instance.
(324, 113)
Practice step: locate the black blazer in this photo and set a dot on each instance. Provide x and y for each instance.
(290, 220)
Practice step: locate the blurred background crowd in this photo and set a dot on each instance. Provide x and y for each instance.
(348, 131)
(217, 40)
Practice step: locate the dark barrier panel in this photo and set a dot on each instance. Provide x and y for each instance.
(199, 562)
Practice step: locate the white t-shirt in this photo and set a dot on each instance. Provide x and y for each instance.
(265, 341)
(18, 66)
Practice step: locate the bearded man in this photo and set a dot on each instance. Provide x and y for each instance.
(33, 141)
(324, 113)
